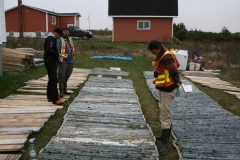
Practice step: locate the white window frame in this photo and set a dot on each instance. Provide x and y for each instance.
(143, 21)
(54, 19)
(69, 25)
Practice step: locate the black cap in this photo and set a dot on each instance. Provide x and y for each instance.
(154, 44)
(58, 30)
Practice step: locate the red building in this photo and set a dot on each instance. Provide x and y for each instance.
(142, 20)
(24, 20)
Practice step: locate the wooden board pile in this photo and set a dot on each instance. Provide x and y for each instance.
(16, 60)
(38, 60)
(210, 80)
(20, 115)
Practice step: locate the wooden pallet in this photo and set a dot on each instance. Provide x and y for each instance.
(22, 114)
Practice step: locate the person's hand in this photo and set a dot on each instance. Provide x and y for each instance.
(154, 81)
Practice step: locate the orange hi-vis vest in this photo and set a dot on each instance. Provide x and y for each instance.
(64, 51)
(164, 79)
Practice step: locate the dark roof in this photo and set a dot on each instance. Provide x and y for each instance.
(46, 11)
(143, 8)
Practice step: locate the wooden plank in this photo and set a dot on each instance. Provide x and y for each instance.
(234, 93)
(37, 91)
(10, 156)
(13, 141)
(20, 136)
(43, 87)
(197, 77)
(30, 106)
(224, 88)
(19, 130)
(198, 73)
(24, 121)
(10, 148)
(22, 116)
(31, 97)
(26, 110)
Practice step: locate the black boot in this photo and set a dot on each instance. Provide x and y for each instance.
(164, 147)
(160, 137)
(61, 89)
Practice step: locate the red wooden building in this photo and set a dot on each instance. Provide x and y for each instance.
(24, 20)
(142, 20)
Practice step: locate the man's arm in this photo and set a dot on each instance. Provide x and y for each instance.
(171, 66)
(50, 47)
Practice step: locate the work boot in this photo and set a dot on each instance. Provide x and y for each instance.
(65, 89)
(61, 89)
(59, 102)
(160, 137)
(164, 147)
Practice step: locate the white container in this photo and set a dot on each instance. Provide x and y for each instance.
(192, 66)
(182, 57)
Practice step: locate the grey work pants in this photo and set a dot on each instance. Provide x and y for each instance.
(64, 71)
(165, 103)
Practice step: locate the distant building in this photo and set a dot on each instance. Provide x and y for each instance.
(24, 20)
(142, 20)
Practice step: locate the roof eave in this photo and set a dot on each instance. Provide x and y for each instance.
(139, 16)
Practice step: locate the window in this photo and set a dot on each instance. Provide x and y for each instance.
(11, 34)
(143, 25)
(77, 23)
(54, 20)
(70, 25)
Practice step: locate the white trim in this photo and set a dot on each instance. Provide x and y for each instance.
(144, 16)
(46, 22)
(75, 17)
(2, 23)
(113, 30)
(143, 25)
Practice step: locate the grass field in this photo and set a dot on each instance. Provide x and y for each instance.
(14, 80)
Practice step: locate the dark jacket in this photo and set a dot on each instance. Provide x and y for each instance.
(50, 49)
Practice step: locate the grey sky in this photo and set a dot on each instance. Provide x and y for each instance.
(205, 15)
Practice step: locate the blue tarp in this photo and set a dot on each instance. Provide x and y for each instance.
(113, 58)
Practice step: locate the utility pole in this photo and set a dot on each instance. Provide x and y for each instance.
(89, 21)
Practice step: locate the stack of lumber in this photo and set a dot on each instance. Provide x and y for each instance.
(22, 114)
(210, 80)
(38, 60)
(16, 60)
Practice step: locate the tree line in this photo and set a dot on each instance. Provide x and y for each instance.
(181, 32)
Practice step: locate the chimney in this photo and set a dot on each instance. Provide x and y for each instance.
(20, 17)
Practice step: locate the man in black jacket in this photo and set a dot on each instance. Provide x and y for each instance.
(51, 56)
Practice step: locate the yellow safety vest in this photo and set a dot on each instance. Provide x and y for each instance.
(164, 79)
(64, 52)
